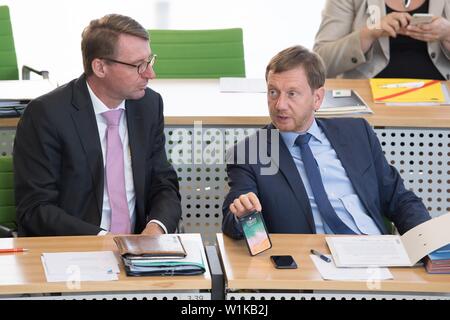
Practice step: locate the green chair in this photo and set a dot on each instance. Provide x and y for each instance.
(198, 53)
(8, 61)
(7, 205)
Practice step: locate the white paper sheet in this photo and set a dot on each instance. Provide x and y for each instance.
(364, 251)
(329, 271)
(80, 266)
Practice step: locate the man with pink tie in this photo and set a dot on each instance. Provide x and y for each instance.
(89, 157)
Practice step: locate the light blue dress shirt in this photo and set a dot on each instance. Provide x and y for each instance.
(340, 191)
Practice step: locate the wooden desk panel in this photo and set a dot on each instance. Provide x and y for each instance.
(22, 273)
(245, 272)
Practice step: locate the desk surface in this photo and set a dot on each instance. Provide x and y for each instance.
(23, 272)
(189, 100)
(245, 272)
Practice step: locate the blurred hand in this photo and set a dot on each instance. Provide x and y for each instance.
(153, 229)
(436, 30)
(393, 24)
(246, 203)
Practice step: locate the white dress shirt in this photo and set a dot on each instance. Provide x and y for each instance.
(100, 107)
(337, 184)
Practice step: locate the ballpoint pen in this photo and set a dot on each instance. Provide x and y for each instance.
(320, 255)
(13, 250)
(417, 84)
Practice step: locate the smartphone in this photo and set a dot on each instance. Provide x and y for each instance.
(283, 262)
(255, 233)
(420, 18)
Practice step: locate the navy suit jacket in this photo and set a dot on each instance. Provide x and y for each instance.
(59, 168)
(285, 204)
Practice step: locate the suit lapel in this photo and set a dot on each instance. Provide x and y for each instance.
(287, 167)
(351, 160)
(83, 117)
(137, 133)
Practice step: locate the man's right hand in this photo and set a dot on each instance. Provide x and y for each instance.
(246, 203)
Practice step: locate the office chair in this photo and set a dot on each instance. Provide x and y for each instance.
(8, 61)
(198, 53)
(7, 206)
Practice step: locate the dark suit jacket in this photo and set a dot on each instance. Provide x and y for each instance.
(285, 204)
(59, 169)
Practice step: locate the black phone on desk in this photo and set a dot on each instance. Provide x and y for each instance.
(284, 262)
(255, 233)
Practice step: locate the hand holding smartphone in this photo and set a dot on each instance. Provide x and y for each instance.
(421, 18)
(255, 233)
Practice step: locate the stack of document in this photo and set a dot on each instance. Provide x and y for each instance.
(398, 92)
(80, 266)
(12, 108)
(191, 264)
(165, 254)
(342, 102)
(438, 261)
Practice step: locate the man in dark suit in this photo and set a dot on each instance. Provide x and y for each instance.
(89, 157)
(330, 174)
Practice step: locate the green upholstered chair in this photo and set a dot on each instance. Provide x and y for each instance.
(198, 53)
(7, 205)
(8, 61)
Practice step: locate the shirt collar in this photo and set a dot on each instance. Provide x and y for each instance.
(99, 106)
(289, 137)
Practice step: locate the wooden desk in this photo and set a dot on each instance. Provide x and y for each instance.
(243, 273)
(23, 273)
(189, 100)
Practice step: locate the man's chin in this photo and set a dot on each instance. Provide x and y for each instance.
(283, 126)
(137, 95)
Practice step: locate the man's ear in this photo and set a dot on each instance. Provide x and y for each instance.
(318, 97)
(98, 67)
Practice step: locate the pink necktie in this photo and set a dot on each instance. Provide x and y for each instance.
(115, 174)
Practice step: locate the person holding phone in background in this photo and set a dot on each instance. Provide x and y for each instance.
(375, 39)
(332, 176)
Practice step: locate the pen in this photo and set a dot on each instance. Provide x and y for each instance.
(13, 250)
(320, 255)
(418, 84)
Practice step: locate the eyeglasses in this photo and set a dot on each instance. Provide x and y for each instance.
(140, 67)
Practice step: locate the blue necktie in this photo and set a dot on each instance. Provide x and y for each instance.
(315, 180)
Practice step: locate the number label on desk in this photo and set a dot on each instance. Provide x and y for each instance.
(195, 297)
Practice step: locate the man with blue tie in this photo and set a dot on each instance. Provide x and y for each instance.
(331, 177)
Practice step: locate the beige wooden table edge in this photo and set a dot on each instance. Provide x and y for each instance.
(124, 284)
(383, 286)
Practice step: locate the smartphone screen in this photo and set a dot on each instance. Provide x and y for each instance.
(284, 262)
(255, 233)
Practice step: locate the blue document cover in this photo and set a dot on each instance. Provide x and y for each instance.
(441, 253)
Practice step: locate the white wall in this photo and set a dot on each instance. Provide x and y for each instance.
(47, 33)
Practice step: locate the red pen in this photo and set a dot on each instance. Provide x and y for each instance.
(13, 250)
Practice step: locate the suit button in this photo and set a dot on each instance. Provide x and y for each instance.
(433, 55)
(354, 60)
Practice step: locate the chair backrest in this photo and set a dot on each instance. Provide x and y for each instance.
(198, 53)
(7, 204)
(8, 60)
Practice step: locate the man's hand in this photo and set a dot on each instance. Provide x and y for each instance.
(246, 203)
(153, 229)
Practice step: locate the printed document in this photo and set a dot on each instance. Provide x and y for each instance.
(391, 250)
